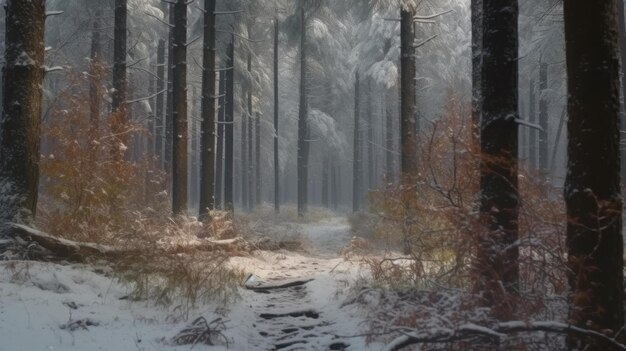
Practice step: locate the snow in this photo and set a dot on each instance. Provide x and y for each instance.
(81, 307)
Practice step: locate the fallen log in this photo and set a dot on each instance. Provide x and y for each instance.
(79, 252)
(70, 250)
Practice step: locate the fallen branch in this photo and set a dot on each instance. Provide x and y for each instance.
(497, 332)
(265, 288)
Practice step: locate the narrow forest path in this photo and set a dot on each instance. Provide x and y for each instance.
(307, 316)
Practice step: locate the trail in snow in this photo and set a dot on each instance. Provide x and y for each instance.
(309, 316)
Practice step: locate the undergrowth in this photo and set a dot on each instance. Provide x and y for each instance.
(431, 229)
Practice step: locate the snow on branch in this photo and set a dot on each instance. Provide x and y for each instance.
(158, 19)
(54, 13)
(498, 331)
(192, 41)
(227, 12)
(424, 42)
(53, 69)
(146, 98)
(239, 36)
(418, 18)
(528, 124)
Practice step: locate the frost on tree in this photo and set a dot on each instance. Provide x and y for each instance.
(20, 123)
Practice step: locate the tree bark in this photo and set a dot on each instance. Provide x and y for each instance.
(276, 110)
(119, 122)
(95, 67)
(532, 133)
(357, 168)
(335, 186)
(477, 60)
(169, 110)
(20, 123)
(160, 98)
(497, 257)
(325, 182)
(250, 164)
(371, 178)
(219, 161)
(257, 159)
(407, 82)
(96, 73)
(119, 54)
(244, 161)
(543, 118)
(592, 186)
(303, 148)
(207, 154)
(622, 46)
(229, 128)
(179, 99)
(390, 157)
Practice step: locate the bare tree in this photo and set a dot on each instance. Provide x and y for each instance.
(543, 117)
(159, 123)
(276, 106)
(303, 130)
(229, 128)
(179, 99)
(207, 153)
(407, 92)
(357, 167)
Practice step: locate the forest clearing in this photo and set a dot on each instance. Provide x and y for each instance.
(312, 175)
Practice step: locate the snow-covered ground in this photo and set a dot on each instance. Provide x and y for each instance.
(55, 307)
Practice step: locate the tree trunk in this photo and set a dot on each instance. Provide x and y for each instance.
(169, 118)
(276, 106)
(21, 115)
(543, 118)
(179, 142)
(592, 186)
(159, 118)
(407, 69)
(228, 127)
(96, 74)
(119, 123)
(303, 149)
(389, 158)
(207, 154)
(371, 178)
(244, 161)
(119, 54)
(219, 161)
(335, 186)
(497, 257)
(250, 164)
(477, 61)
(257, 159)
(532, 133)
(95, 67)
(194, 157)
(325, 182)
(357, 168)
(622, 45)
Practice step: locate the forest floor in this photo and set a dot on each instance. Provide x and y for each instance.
(46, 306)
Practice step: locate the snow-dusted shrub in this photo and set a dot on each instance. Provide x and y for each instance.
(90, 192)
(436, 222)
